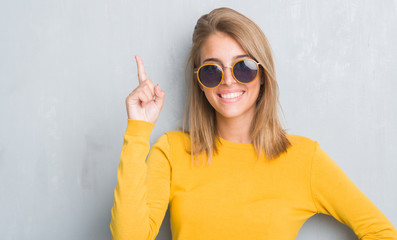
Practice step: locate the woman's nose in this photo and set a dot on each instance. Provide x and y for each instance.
(228, 78)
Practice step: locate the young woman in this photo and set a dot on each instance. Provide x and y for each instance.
(233, 173)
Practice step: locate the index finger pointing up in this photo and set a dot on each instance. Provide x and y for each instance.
(141, 69)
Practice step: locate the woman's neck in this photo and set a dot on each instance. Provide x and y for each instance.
(234, 129)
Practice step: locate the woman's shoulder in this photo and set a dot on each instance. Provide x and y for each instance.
(174, 138)
(177, 136)
(176, 133)
(301, 143)
(300, 139)
(174, 143)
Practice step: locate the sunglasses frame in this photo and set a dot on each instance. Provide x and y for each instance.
(231, 67)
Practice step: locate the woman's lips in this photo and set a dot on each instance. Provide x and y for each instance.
(231, 97)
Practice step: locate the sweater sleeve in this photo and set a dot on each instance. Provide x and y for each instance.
(142, 192)
(335, 194)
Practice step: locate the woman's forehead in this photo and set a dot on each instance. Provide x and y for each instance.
(221, 47)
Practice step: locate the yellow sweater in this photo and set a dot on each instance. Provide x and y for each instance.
(236, 197)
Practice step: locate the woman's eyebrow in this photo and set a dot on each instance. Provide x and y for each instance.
(241, 56)
(219, 61)
(212, 60)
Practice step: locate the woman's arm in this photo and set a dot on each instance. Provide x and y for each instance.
(335, 194)
(142, 193)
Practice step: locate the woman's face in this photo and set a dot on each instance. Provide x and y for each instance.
(231, 99)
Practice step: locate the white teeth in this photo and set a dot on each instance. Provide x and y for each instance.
(232, 95)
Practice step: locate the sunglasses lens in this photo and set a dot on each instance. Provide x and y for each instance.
(245, 71)
(210, 75)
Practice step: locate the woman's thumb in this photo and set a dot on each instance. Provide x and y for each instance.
(159, 100)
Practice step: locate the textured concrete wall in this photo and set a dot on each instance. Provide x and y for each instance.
(66, 68)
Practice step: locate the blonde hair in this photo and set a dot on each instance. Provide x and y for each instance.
(267, 135)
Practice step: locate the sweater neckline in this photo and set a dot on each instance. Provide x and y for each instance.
(229, 144)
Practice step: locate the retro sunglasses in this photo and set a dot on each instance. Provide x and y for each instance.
(211, 75)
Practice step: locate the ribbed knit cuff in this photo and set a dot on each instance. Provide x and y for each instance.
(139, 128)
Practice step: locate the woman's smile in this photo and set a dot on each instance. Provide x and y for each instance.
(231, 96)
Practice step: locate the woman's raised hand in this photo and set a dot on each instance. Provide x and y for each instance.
(146, 101)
